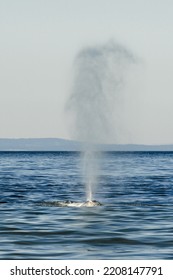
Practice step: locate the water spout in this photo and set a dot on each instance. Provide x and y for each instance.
(99, 77)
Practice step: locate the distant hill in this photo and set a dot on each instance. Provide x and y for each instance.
(57, 144)
(38, 144)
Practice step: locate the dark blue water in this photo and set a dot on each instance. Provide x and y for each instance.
(135, 221)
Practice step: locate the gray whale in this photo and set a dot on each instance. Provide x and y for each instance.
(68, 203)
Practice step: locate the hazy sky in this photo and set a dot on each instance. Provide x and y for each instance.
(39, 40)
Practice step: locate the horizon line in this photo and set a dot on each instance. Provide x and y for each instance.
(74, 140)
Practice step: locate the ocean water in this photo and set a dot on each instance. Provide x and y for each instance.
(134, 222)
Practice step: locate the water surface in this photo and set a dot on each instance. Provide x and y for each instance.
(135, 221)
